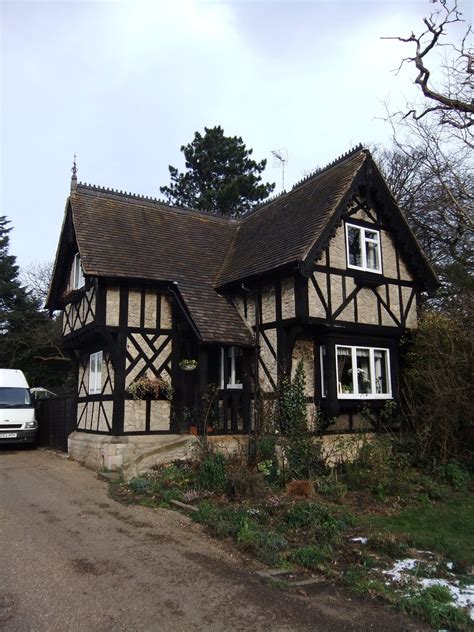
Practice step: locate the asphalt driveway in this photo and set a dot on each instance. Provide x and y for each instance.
(74, 560)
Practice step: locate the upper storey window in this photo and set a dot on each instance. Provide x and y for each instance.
(363, 248)
(78, 280)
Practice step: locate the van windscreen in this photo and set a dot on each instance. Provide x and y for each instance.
(14, 397)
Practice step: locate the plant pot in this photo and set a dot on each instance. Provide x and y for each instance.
(188, 365)
(193, 430)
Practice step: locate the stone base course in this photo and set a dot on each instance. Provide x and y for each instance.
(133, 455)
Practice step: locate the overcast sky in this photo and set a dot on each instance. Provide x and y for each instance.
(125, 83)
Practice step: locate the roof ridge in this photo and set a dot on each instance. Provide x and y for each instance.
(300, 183)
(348, 154)
(139, 198)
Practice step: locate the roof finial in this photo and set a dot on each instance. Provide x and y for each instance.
(74, 175)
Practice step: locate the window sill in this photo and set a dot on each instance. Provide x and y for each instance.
(363, 397)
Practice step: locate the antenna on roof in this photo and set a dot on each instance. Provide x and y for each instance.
(74, 175)
(280, 158)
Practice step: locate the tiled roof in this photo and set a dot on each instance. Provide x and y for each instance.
(130, 236)
(126, 236)
(283, 230)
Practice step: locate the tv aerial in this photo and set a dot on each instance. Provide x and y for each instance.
(280, 158)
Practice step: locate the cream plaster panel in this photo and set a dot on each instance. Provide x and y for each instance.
(134, 415)
(83, 380)
(239, 305)
(404, 274)
(304, 350)
(362, 215)
(251, 310)
(66, 318)
(336, 292)
(134, 304)
(107, 369)
(268, 304)
(411, 318)
(387, 320)
(166, 319)
(105, 414)
(268, 360)
(394, 300)
(160, 415)
(337, 249)
(148, 353)
(311, 416)
(315, 306)
(367, 307)
(80, 416)
(348, 313)
(150, 310)
(389, 259)
(112, 306)
(288, 297)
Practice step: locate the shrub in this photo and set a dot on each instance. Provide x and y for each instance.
(140, 485)
(435, 605)
(316, 519)
(302, 489)
(265, 545)
(312, 557)
(246, 483)
(302, 453)
(331, 487)
(212, 474)
(437, 389)
(454, 474)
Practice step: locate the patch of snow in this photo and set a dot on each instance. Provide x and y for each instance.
(361, 540)
(449, 566)
(463, 597)
(397, 570)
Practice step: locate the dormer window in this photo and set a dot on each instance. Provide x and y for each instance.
(363, 248)
(78, 280)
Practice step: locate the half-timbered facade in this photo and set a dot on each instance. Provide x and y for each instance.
(328, 273)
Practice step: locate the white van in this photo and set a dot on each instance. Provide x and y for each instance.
(17, 413)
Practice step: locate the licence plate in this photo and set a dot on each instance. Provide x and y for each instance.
(8, 435)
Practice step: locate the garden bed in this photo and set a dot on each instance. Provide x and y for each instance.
(379, 526)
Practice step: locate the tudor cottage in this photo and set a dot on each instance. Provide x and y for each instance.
(176, 318)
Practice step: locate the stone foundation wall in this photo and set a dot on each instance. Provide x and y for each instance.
(135, 455)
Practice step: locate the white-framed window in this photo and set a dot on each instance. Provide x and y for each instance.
(363, 248)
(324, 367)
(231, 369)
(78, 280)
(95, 373)
(363, 372)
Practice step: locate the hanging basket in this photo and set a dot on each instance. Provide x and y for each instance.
(188, 365)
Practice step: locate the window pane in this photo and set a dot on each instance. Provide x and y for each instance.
(372, 255)
(344, 370)
(381, 375)
(364, 382)
(355, 250)
(238, 366)
(98, 375)
(324, 388)
(372, 234)
(228, 368)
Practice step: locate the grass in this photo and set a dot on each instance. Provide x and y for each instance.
(444, 528)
